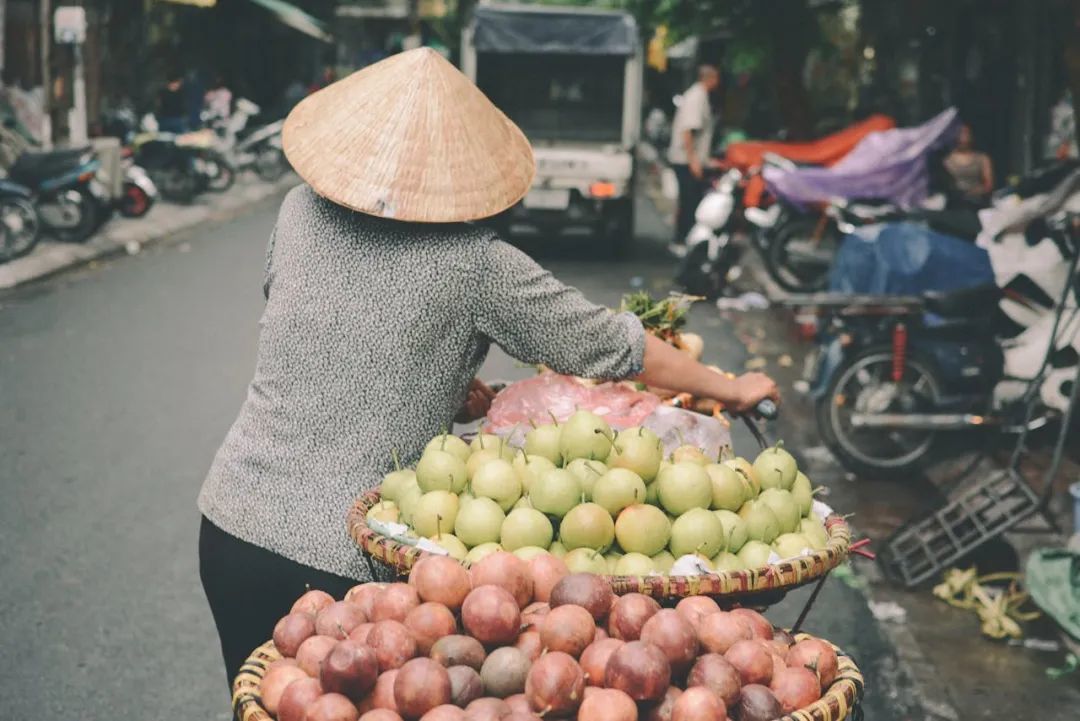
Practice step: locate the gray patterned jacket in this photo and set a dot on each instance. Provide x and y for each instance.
(371, 333)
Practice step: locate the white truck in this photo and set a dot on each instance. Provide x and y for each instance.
(571, 78)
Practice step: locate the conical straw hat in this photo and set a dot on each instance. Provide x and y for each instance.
(409, 138)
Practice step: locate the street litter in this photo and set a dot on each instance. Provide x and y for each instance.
(750, 300)
(1048, 645)
(888, 611)
(756, 363)
(818, 454)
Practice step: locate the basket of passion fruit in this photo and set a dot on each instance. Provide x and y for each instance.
(488, 644)
(581, 498)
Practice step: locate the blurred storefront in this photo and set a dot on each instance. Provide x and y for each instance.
(1001, 62)
(825, 63)
(258, 47)
(369, 30)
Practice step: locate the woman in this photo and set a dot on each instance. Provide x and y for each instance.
(218, 100)
(381, 305)
(972, 172)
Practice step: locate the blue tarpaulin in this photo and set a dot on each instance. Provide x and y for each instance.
(907, 259)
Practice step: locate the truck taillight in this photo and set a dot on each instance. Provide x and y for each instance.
(602, 190)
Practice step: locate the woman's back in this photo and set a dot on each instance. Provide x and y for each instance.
(361, 339)
(371, 333)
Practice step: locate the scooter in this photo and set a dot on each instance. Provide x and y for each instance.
(70, 201)
(261, 151)
(257, 149)
(139, 192)
(724, 213)
(19, 223)
(711, 252)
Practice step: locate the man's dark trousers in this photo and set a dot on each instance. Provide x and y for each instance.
(690, 192)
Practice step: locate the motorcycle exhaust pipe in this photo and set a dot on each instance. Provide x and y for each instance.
(922, 421)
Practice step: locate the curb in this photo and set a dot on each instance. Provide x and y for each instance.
(129, 236)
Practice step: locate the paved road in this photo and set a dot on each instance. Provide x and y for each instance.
(117, 383)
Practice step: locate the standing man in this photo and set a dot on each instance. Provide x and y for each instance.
(691, 145)
(172, 116)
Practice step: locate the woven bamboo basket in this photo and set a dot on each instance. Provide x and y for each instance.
(837, 703)
(762, 585)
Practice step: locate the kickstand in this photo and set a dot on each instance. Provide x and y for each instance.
(809, 603)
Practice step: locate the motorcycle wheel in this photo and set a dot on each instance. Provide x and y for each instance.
(19, 228)
(89, 220)
(617, 228)
(222, 174)
(135, 203)
(864, 384)
(270, 164)
(797, 261)
(178, 185)
(697, 274)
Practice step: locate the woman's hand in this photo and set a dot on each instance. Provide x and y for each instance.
(748, 390)
(477, 402)
(668, 367)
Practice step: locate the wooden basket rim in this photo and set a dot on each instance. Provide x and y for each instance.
(782, 576)
(835, 705)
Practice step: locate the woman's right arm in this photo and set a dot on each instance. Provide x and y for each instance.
(537, 319)
(669, 367)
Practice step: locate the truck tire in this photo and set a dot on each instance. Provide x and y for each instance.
(618, 227)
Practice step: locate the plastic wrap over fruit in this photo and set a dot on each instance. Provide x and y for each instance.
(677, 426)
(690, 565)
(542, 397)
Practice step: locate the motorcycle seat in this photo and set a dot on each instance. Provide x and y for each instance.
(965, 303)
(33, 168)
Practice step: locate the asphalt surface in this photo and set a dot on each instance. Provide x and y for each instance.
(117, 382)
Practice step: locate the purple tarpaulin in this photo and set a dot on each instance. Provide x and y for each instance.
(887, 165)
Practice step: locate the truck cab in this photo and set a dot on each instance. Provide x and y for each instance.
(571, 80)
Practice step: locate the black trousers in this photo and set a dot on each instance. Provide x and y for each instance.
(250, 589)
(691, 191)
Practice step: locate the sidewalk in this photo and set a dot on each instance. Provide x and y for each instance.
(130, 235)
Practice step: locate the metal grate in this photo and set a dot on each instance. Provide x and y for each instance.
(921, 549)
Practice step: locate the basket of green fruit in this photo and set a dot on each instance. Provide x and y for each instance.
(611, 504)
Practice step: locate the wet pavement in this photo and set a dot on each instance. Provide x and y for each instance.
(119, 381)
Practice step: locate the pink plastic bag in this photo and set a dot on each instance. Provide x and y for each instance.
(548, 395)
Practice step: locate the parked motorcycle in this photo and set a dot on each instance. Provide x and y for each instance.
(180, 171)
(261, 151)
(890, 166)
(63, 186)
(711, 251)
(738, 194)
(139, 192)
(19, 224)
(896, 373)
(723, 215)
(248, 148)
(211, 158)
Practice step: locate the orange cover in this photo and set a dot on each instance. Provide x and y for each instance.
(823, 151)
